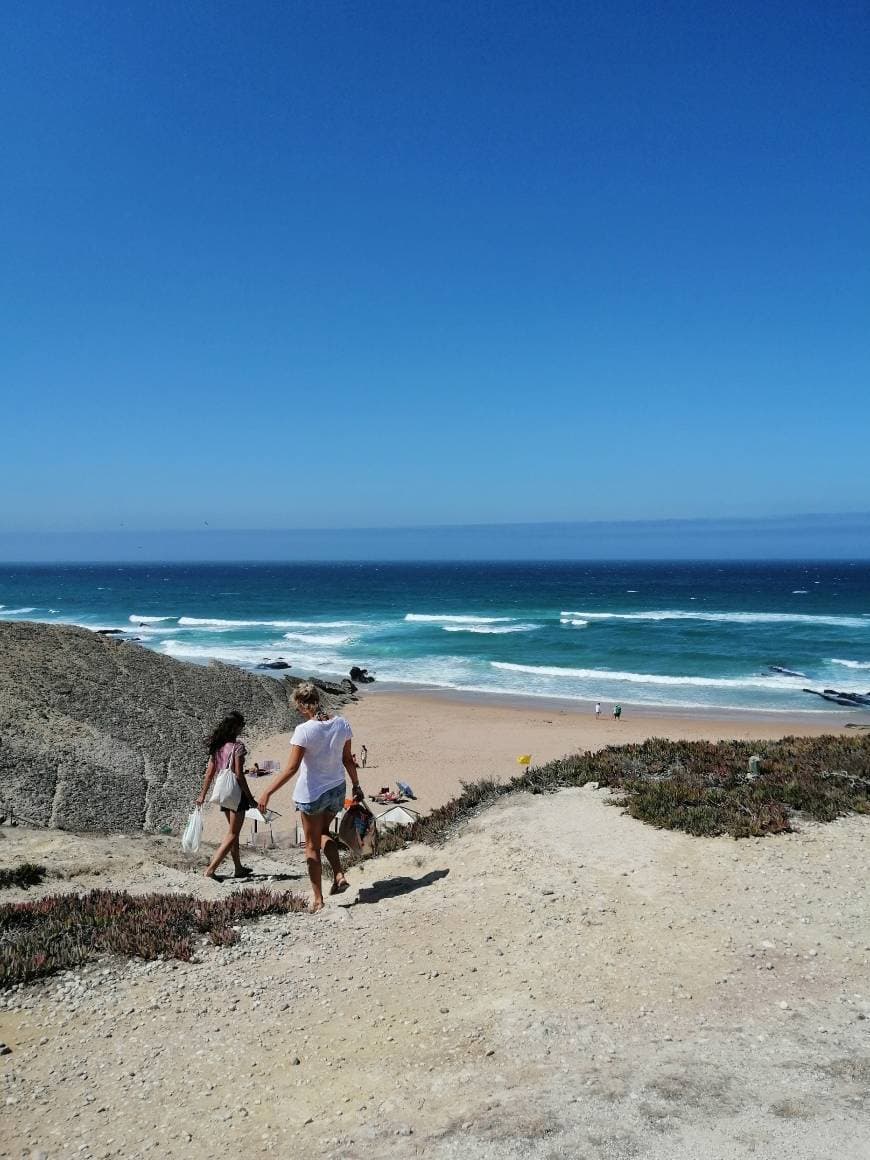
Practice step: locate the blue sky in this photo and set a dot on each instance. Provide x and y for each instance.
(352, 265)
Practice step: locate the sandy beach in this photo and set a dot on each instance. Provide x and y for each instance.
(437, 741)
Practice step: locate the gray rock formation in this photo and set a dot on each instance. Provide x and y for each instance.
(102, 734)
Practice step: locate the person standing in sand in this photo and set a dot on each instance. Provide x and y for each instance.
(597, 710)
(320, 752)
(226, 751)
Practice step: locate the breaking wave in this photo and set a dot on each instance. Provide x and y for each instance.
(425, 618)
(215, 622)
(489, 629)
(730, 617)
(767, 683)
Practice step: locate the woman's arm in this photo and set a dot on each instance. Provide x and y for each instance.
(209, 775)
(297, 752)
(350, 765)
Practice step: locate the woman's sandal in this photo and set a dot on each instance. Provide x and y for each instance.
(339, 887)
(243, 872)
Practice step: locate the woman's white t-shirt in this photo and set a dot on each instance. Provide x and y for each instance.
(321, 768)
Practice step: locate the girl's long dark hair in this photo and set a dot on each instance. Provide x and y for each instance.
(226, 730)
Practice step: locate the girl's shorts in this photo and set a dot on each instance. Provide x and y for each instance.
(329, 802)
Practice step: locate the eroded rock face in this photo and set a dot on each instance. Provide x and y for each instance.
(102, 734)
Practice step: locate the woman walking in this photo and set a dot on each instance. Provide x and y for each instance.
(320, 752)
(227, 752)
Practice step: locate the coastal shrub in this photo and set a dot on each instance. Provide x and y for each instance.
(65, 930)
(27, 874)
(700, 787)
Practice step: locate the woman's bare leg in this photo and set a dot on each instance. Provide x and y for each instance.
(329, 846)
(236, 820)
(312, 828)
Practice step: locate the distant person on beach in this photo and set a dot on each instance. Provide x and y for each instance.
(320, 752)
(364, 754)
(226, 751)
(617, 712)
(597, 710)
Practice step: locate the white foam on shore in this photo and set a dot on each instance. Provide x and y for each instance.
(850, 664)
(425, 618)
(789, 684)
(731, 617)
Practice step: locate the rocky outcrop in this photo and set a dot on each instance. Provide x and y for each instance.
(102, 734)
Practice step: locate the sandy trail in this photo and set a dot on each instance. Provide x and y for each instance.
(556, 980)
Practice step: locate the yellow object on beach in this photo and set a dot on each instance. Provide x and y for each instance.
(524, 759)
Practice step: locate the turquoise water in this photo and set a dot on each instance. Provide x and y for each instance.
(693, 635)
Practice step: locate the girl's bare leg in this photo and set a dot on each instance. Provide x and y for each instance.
(236, 820)
(329, 846)
(312, 828)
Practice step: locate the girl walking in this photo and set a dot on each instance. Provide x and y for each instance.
(227, 752)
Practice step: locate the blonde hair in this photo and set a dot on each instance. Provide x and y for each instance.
(307, 694)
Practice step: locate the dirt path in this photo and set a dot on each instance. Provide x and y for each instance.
(604, 990)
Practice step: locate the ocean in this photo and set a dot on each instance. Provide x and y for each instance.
(703, 635)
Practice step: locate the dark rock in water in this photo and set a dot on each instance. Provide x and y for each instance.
(361, 675)
(785, 672)
(348, 686)
(273, 665)
(849, 700)
(110, 632)
(95, 735)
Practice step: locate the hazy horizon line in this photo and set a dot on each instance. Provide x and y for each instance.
(836, 536)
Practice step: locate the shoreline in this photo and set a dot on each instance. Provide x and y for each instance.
(581, 707)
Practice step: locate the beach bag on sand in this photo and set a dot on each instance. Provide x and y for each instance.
(227, 792)
(358, 830)
(192, 835)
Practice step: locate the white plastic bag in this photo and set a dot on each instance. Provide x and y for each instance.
(192, 835)
(227, 792)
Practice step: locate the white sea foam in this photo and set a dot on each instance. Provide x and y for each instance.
(773, 682)
(489, 629)
(850, 664)
(140, 620)
(573, 620)
(14, 611)
(215, 622)
(799, 592)
(425, 618)
(317, 638)
(731, 617)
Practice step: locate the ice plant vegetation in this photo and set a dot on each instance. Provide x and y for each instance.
(65, 930)
(701, 787)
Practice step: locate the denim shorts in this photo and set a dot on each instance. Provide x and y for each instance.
(329, 802)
